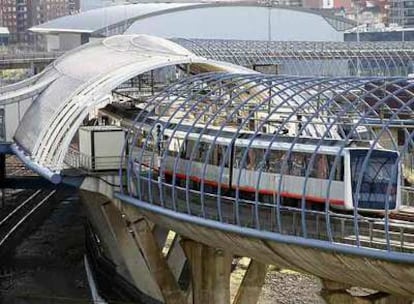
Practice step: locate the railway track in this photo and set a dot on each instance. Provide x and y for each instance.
(403, 216)
(20, 216)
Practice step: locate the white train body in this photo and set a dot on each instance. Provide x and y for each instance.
(338, 190)
(225, 159)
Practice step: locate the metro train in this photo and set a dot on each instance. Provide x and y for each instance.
(267, 165)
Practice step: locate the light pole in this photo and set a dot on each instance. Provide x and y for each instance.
(358, 40)
(269, 4)
(357, 17)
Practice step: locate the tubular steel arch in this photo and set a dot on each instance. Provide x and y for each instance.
(313, 161)
(311, 58)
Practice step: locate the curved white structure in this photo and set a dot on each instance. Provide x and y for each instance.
(197, 20)
(83, 79)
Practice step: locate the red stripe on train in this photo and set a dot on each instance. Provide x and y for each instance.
(311, 198)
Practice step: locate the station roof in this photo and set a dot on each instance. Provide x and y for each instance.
(84, 78)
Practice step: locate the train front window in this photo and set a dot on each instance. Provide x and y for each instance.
(378, 181)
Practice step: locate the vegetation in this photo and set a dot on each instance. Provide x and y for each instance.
(12, 75)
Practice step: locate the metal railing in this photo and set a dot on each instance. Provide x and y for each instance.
(21, 57)
(311, 58)
(78, 160)
(184, 183)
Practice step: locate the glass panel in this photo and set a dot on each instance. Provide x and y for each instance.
(377, 177)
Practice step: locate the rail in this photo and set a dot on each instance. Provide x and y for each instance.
(21, 214)
(18, 57)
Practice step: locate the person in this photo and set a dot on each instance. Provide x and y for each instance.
(158, 139)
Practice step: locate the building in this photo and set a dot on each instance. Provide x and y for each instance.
(4, 36)
(380, 35)
(195, 20)
(19, 15)
(401, 12)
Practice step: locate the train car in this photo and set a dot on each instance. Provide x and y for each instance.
(247, 164)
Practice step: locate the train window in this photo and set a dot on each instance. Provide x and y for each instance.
(189, 149)
(297, 164)
(206, 153)
(321, 165)
(174, 145)
(202, 152)
(220, 153)
(324, 164)
(275, 161)
(238, 156)
(183, 149)
(262, 162)
(251, 159)
(210, 153)
(338, 168)
(196, 151)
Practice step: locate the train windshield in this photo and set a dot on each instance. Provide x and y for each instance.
(379, 179)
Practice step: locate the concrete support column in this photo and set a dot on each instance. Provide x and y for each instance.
(121, 246)
(176, 257)
(252, 283)
(157, 263)
(334, 292)
(210, 270)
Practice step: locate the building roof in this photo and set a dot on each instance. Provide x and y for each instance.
(117, 19)
(4, 31)
(97, 19)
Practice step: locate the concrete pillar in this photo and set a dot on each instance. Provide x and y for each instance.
(391, 299)
(132, 254)
(334, 292)
(157, 263)
(121, 246)
(210, 270)
(160, 234)
(176, 257)
(252, 283)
